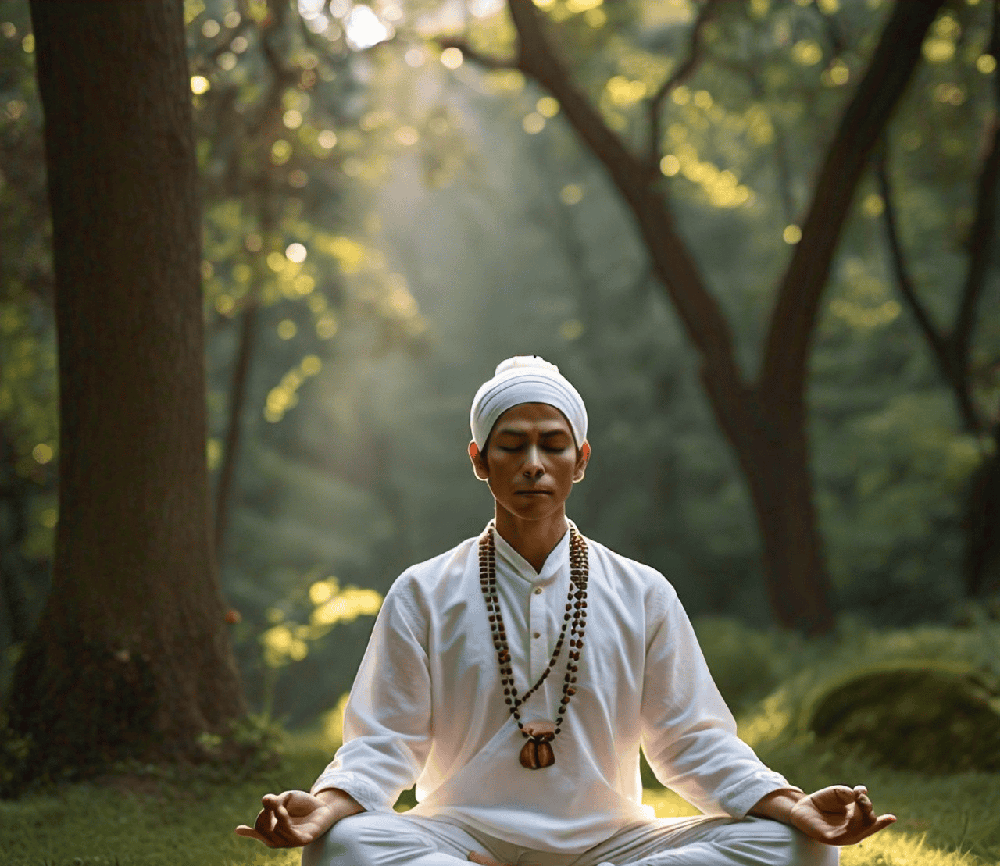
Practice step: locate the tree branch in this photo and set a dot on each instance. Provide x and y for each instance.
(672, 261)
(951, 350)
(485, 61)
(984, 223)
(695, 56)
(792, 323)
(939, 343)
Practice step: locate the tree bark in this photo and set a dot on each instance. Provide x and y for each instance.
(131, 653)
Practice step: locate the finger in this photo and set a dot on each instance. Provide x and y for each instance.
(833, 799)
(283, 827)
(865, 807)
(841, 793)
(264, 822)
(881, 823)
(251, 833)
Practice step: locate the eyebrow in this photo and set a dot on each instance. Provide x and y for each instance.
(546, 434)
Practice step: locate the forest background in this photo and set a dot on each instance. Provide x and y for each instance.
(396, 197)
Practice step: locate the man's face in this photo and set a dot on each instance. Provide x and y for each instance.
(531, 461)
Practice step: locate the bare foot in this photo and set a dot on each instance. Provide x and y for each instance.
(484, 860)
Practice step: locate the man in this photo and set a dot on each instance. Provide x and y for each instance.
(515, 677)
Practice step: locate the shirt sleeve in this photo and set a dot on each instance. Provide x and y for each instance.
(387, 721)
(688, 733)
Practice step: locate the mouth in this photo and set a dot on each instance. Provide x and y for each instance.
(534, 492)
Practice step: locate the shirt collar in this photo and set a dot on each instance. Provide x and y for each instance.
(558, 556)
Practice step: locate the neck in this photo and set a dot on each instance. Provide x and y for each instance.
(533, 539)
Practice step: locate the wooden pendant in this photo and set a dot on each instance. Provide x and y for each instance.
(546, 757)
(537, 752)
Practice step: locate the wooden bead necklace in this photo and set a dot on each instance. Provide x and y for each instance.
(537, 751)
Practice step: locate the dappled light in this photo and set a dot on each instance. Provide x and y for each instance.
(761, 239)
(288, 641)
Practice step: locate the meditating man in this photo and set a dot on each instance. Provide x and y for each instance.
(515, 678)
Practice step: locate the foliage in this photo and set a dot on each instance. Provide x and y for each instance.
(747, 664)
(28, 425)
(869, 692)
(404, 221)
(948, 716)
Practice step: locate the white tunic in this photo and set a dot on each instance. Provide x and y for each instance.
(427, 704)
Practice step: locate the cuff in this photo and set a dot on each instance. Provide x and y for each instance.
(370, 797)
(741, 799)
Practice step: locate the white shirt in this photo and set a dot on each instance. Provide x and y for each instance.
(427, 704)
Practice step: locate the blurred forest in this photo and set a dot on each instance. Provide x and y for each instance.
(397, 196)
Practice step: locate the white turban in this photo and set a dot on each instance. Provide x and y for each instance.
(526, 379)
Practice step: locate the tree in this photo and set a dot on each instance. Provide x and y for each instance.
(952, 345)
(764, 418)
(131, 654)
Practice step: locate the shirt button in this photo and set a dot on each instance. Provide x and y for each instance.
(537, 634)
(538, 590)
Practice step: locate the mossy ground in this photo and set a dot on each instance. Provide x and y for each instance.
(157, 819)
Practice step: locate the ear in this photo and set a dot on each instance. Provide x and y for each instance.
(478, 464)
(582, 459)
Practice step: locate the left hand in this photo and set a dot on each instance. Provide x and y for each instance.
(838, 815)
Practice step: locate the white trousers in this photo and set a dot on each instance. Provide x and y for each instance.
(390, 839)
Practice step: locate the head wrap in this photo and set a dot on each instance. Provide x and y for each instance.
(526, 379)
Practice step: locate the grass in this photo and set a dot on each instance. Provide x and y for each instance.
(150, 819)
(155, 818)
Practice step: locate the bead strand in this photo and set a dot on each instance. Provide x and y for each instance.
(574, 620)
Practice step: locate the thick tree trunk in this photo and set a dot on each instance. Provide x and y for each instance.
(131, 652)
(773, 453)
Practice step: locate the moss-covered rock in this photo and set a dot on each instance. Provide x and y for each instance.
(928, 717)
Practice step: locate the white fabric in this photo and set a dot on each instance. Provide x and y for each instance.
(427, 707)
(526, 379)
(390, 839)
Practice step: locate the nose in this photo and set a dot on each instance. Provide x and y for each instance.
(533, 467)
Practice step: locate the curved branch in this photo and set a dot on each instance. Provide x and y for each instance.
(695, 56)
(904, 279)
(939, 343)
(793, 321)
(673, 263)
(982, 232)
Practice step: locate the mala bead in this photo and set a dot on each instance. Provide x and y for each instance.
(537, 751)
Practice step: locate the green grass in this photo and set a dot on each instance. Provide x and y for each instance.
(151, 819)
(160, 819)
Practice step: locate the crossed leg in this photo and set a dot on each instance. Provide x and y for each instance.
(710, 842)
(388, 839)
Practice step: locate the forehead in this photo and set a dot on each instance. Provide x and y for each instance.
(532, 415)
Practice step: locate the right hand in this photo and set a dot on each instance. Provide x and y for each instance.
(294, 818)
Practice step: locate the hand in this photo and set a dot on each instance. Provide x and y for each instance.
(290, 819)
(838, 815)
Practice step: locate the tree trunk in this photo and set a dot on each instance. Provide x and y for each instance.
(131, 653)
(765, 421)
(774, 460)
